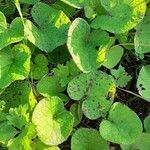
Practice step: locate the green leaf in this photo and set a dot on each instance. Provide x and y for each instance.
(65, 73)
(50, 86)
(119, 128)
(38, 145)
(142, 38)
(147, 124)
(54, 123)
(122, 15)
(142, 143)
(18, 117)
(84, 139)
(14, 64)
(76, 111)
(96, 90)
(113, 56)
(18, 93)
(24, 139)
(30, 1)
(82, 44)
(121, 76)
(12, 34)
(93, 8)
(39, 67)
(7, 132)
(74, 3)
(143, 82)
(52, 27)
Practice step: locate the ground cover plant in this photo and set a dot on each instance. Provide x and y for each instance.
(74, 75)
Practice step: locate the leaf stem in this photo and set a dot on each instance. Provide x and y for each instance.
(132, 93)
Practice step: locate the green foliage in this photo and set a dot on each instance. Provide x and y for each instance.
(121, 76)
(39, 67)
(85, 138)
(122, 15)
(12, 34)
(67, 67)
(143, 82)
(54, 123)
(14, 64)
(142, 143)
(118, 128)
(51, 23)
(82, 44)
(96, 90)
(147, 124)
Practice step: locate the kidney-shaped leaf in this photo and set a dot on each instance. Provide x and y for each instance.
(123, 15)
(52, 30)
(82, 45)
(14, 64)
(123, 126)
(54, 123)
(12, 34)
(143, 82)
(96, 89)
(84, 139)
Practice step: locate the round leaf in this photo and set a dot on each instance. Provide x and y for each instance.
(122, 15)
(84, 139)
(96, 89)
(122, 126)
(54, 123)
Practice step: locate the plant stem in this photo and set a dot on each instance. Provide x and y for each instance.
(127, 91)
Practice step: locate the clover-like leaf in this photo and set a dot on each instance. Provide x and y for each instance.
(54, 123)
(147, 124)
(12, 34)
(52, 27)
(118, 128)
(39, 67)
(84, 139)
(142, 143)
(14, 64)
(82, 44)
(96, 90)
(143, 82)
(18, 93)
(122, 15)
(142, 38)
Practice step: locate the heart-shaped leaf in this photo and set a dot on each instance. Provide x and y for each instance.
(54, 123)
(122, 15)
(96, 90)
(84, 139)
(122, 126)
(14, 64)
(52, 27)
(12, 34)
(82, 44)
